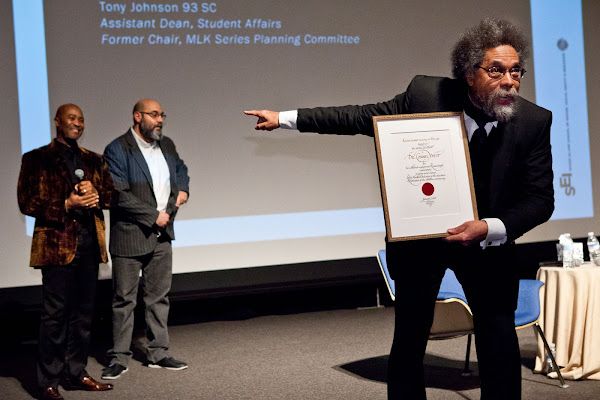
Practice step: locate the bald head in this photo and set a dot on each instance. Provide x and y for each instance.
(146, 105)
(65, 108)
(69, 123)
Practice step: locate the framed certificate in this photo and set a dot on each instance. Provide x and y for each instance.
(425, 174)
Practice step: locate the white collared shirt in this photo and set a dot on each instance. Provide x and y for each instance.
(496, 228)
(159, 170)
(471, 126)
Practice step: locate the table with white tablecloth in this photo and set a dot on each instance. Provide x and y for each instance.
(570, 318)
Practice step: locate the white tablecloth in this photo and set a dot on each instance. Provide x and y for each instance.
(570, 318)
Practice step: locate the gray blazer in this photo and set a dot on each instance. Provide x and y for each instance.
(133, 231)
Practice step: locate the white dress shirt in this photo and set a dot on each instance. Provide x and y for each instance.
(159, 170)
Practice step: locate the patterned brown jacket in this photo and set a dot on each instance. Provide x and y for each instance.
(43, 187)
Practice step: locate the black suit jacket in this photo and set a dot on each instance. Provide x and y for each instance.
(133, 231)
(521, 191)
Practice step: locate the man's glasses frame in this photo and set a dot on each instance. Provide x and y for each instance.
(154, 114)
(499, 72)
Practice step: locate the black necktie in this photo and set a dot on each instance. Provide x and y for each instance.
(479, 138)
(481, 167)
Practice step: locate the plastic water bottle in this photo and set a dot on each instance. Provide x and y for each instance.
(567, 245)
(549, 365)
(594, 248)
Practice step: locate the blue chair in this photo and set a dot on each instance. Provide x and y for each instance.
(528, 313)
(453, 317)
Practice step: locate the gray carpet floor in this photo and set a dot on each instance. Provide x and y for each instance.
(336, 354)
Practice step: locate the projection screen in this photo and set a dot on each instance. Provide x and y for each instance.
(282, 197)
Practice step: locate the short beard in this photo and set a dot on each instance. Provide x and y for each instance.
(151, 134)
(499, 112)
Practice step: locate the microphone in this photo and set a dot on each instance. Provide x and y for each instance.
(79, 174)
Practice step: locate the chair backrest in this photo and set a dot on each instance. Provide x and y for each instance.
(450, 288)
(452, 316)
(389, 282)
(528, 304)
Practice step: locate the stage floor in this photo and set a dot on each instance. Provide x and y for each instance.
(333, 354)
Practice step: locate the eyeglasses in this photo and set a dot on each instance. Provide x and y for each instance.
(154, 114)
(498, 72)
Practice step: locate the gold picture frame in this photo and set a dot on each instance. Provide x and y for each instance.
(425, 174)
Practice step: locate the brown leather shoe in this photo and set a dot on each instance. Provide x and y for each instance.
(90, 384)
(51, 393)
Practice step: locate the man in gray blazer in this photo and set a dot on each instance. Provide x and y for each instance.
(509, 145)
(152, 183)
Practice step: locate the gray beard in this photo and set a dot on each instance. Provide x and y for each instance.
(501, 113)
(152, 134)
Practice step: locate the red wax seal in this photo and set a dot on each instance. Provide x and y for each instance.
(427, 189)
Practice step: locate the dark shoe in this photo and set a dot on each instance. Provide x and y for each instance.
(90, 384)
(114, 371)
(51, 393)
(169, 363)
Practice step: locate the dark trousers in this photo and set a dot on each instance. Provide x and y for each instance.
(156, 269)
(491, 286)
(69, 292)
